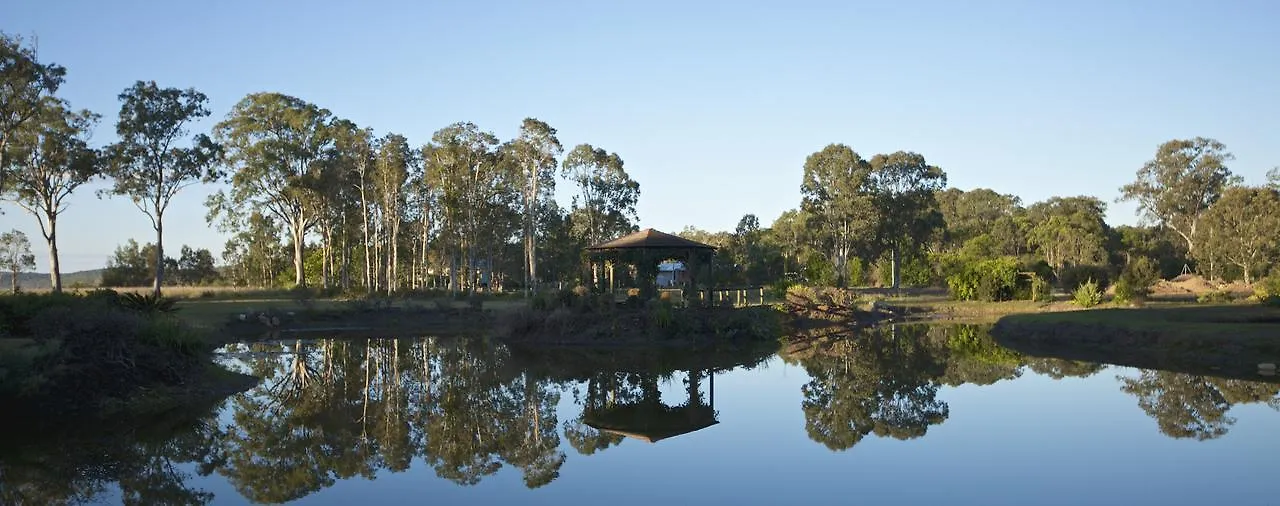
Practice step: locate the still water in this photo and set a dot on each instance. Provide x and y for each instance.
(907, 415)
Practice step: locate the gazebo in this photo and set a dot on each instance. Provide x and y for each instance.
(643, 251)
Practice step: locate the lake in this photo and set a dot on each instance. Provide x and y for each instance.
(909, 414)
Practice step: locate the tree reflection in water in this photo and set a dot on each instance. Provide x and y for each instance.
(1187, 406)
(329, 410)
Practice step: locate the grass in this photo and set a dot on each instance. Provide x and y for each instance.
(213, 314)
(1237, 321)
(1225, 340)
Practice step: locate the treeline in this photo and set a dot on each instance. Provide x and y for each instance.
(134, 265)
(887, 221)
(313, 198)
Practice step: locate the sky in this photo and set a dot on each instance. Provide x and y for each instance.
(712, 105)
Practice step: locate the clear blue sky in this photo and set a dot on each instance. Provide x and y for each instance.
(713, 105)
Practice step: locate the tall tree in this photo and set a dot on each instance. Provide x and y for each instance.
(25, 84)
(1246, 229)
(835, 194)
(391, 173)
(904, 185)
(276, 146)
(15, 255)
(353, 157)
(475, 189)
(1177, 186)
(147, 164)
(534, 151)
(52, 159)
(1069, 231)
(607, 193)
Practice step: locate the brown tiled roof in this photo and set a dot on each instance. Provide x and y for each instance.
(651, 239)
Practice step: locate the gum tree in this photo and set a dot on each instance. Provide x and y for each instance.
(150, 164)
(52, 159)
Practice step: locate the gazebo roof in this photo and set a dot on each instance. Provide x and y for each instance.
(650, 422)
(650, 239)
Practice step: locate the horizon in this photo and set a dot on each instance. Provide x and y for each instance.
(1031, 100)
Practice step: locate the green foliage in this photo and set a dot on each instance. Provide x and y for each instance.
(1267, 290)
(1124, 291)
(857, 272)
(15, 255)
(1246, 230)
(662, 315)
(1076, 275)
(1214, 297)
(147, 303)
(1181, 182)
(1088, 294)
(819, 271)
(986, 280)
(1135, 280)
(1039, 289)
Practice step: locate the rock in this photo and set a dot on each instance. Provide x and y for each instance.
(1266, 366)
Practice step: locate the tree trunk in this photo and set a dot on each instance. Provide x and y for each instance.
(896, 260)
(159, 255)
(299, 271)
(364, 215)
(55, 268)
(13, 278)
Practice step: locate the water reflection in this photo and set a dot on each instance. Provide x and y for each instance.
(78, 464)
(332, 410)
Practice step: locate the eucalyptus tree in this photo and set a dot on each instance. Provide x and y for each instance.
(969, 214)
(276, 145)
(1179, 185)
(903, 185)
(790, 231)
(835, 194)
(474, 187)
(147, 164)
(607, 194)
(25, 86)
(1069, 231)
(1245, 223)
(53, 159)
(353, 158)
(15, 255)
(534, 151)
(392, 169)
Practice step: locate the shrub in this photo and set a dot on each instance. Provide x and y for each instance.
(581, 291)
(1124, 291)
(1076, 275)
(1088, 294)
(986, 280)
(1140, 273)
(662, 315)
(1214, 297)
(1039, 290)
(1267, 290)
(147, 303)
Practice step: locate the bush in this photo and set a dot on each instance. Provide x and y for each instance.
(1140, 273)
(1124, 291)
(1214, 297)
(147, 303)
(986, 280)
(1267, 290)
(1076, 275)
(1088, 294)
(1039, 290)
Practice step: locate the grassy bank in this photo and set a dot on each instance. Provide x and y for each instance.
(1223, 340)
(102, 352)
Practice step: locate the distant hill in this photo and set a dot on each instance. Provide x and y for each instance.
(39, 281)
